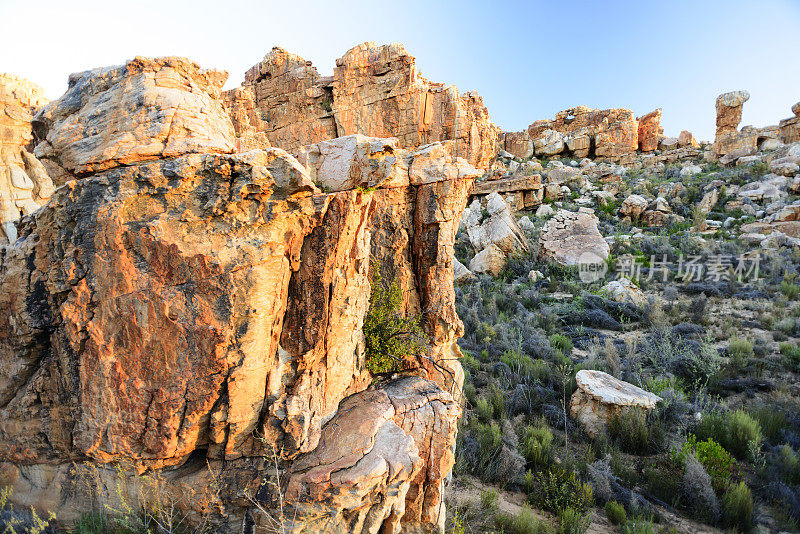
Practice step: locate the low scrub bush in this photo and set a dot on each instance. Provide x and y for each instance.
(737, 431)
(792, 354)
(536, 445)
(525, 522)
(629, 430)
(616, 513)
(740, 352)
(737, 507)
(572, 521)
(717, 462)
(699, 492)
(557, 489)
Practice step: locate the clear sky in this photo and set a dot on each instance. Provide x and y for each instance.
(527, 59)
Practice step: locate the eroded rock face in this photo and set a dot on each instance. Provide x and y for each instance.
(24, 184)
(145, 109)
(600, 397)
(375, 91)
(569, 238)
(207, 308)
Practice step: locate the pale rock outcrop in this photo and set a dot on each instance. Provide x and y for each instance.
(191, 313)
(549, 143)
(520, 192)
(650, 131)
(144, 109)
(729, 114)
(568, 238)
(24, 183)
(490, 260)
(600, 397)
(623, 290)
(375, 91)
(460, 272)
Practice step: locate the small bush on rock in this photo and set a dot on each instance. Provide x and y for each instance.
(616, 513)
(391, 339)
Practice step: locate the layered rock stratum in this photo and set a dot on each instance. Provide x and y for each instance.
(180, 308)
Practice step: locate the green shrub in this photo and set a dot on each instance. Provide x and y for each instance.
(744, 433)
(737, 507)
(497, 398)
(629, 430)
(664, 481)
(561, 343)
(616, 513)
(391, 339)
(525, 522)
(639, 525)
(788, 464)
(717, 462)
(791, 353)
(790, 290)
(536, 445)
(557, 489)
(772, 423)
(484, 409)
(740, 351)
(737, 431)
(489, 499)
(572, 521)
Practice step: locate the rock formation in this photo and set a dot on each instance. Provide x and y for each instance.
(650, 131)
(375, 91)
(182, 308)
(569, 238)
(600, 397)
(24, 184)
(729, 114)
(789, 129)
(579, 132)
(495, 236)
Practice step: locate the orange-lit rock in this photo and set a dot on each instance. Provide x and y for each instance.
(650, 131)
(191, 314)
(375, 91)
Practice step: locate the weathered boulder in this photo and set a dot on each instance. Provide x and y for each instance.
(569, 238)
(375, 91)
(460, 272)
(145, 109)
(193, 314)
(499, 229)
(24, 183)
(633, 207)
(623, 290)
(490, 260)
(650, 131)
(600, 397)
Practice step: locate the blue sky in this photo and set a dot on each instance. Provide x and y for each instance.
(527, 59)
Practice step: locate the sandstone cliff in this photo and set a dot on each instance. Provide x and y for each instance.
(180, 308)
(375, 91)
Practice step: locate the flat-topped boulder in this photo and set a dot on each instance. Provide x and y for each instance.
(600, 397)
